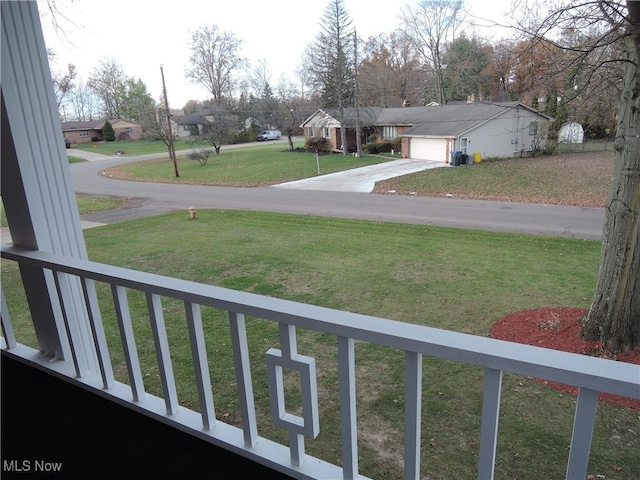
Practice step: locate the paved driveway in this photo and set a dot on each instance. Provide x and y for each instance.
(362, 179)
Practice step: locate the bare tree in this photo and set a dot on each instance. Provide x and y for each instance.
(614, 315)
(389, 73)
(502, 64)
(432, 25)
(214, 60)
(290, 100)
(302, 75)
(218, 131)
(84, 102)
(260, 77)
(63, 82)
(105, 82)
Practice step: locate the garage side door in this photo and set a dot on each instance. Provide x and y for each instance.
(428, 149)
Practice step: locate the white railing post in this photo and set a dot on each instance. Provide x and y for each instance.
(5, 319)
(349, 425)
(71, 323)
(97, 332)
(490, 420)
(163, 355)
(128, 340)
(583, 423)
(412, 414)
(243, 378)
(200, 364)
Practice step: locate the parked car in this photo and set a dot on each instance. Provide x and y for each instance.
(67, 143)
(269, 135)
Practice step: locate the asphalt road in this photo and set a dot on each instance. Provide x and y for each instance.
(310, 199)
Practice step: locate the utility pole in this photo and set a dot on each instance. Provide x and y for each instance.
(357, 99)
(172, 149)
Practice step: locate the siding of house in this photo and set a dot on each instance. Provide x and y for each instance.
(125, 130)
(85, 132)
(505, 136)
(82, 136)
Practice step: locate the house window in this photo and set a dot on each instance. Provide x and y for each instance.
(127, 130)
(389, 133)
(325, 132)
(84, 133)
(533, 128)
(310, 132)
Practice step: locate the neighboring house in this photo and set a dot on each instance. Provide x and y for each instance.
(85, 132)
(478, 130)
(325, 124)
(188, 125)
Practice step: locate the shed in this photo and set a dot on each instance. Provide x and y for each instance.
(571, 132)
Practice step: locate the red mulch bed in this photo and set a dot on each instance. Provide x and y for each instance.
(559, 329)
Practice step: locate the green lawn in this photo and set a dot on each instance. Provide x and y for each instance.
(580, 179)
(243, 167)
(138, 147)
(86, 204)
(446, 278)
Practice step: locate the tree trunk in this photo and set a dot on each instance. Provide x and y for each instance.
(343, 128)
(614, 316)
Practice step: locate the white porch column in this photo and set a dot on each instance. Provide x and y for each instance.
(37, 191)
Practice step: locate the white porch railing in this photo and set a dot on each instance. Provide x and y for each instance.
(591, 375)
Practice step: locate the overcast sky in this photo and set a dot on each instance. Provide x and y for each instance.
(142, 35)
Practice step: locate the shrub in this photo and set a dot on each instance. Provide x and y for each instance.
(201, 156)
(371, 148)
(320, 144)
(151, 135)
(384, 146)
(241, 136)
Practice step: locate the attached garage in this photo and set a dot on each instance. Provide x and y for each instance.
(429, 149)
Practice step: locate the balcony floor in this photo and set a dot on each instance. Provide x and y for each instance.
(47, 419)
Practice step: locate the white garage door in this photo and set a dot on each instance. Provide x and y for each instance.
(428, 149)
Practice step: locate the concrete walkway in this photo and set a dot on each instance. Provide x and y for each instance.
(87, 155)
(362, 179)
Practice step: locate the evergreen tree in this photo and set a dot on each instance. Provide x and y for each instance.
(331, 61)
(107, 132)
